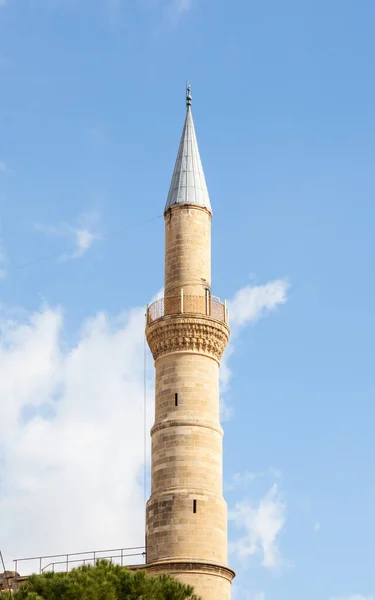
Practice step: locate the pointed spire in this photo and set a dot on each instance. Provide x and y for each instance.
(188, 185)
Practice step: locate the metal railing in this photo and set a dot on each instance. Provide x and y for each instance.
(65, 562)
(186, 304)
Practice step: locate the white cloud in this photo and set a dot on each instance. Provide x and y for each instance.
(261, 526)
(71, 431)
(248, 305)
(251, 303)
(3, 167)
(81, 235)
(316, 526)
(71, 436)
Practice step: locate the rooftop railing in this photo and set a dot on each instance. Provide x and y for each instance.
(185, 304)
(66, 562)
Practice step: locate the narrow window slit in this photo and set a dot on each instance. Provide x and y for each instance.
(176, 399)
(194, 506)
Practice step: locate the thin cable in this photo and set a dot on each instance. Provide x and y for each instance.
(111, 234)
(145, 420)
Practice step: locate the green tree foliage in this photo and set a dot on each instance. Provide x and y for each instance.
(103, 582)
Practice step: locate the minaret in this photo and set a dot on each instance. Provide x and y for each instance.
(187, 331)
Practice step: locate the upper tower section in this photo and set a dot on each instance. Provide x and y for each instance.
(188, 185)
(188, 221)
(187, 260)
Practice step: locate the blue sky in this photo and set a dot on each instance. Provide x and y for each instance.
(91, 110)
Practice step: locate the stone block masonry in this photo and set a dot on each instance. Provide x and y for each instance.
(186, 515)
(187, 331)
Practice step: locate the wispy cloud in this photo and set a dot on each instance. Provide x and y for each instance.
(170, 11)
(316, 526)
(175, 9)
(181, 6)
(3, 167)
(353, 597)
(80, 235)
(248, 305)
(242, 480)
(251, 303)
(3, 2)
(261, 525)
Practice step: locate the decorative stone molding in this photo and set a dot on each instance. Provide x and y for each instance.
(187, 334)
(175, 567)
(186, 423)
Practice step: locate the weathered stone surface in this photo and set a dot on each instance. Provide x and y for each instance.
(187, 334)
(186, 515)
(9, 579)
(187, 251)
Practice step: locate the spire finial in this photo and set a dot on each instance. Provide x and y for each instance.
(188, 95)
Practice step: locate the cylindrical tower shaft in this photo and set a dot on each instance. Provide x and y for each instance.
(186, 517)
(187, 251)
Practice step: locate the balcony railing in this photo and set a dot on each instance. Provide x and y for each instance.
(185, 304)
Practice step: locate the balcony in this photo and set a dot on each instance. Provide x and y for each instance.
(210, 306)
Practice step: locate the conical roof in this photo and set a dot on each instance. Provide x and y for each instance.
(188, 185)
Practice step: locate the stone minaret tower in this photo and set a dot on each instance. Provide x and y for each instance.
(187, 331)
